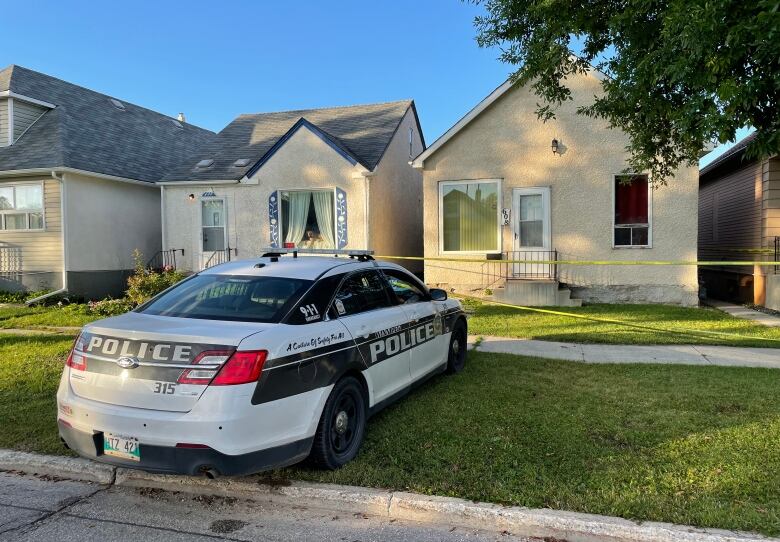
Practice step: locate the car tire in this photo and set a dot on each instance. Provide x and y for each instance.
(342, 425)
(456, 355)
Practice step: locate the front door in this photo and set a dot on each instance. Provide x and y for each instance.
(213, 228)
(531, 231)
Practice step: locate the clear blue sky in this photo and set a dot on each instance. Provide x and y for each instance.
(215, 60)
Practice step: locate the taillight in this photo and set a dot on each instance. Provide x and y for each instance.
(76, 359)
(241, 368)
(202, 376)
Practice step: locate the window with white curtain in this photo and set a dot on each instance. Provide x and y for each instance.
(308, 218)
(469, 216)
(21, 206)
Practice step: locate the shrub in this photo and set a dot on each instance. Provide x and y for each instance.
(20, 296)
(109, 307)
(145, 283)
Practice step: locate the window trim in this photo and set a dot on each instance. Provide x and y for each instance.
(281, 213)
(499, 204)
(649, 212)
(28, 212)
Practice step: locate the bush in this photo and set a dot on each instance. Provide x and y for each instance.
(145, 284)
(20, 296)
(109, 307)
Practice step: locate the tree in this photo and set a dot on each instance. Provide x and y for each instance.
(681, 73)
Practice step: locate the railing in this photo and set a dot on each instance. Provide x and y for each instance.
(220, 256)
(164, 259)
(777, 254)
(536, 264)
(10, 259)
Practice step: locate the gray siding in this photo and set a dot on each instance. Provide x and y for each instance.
(730, 216)
(3, 122)
(24, 115)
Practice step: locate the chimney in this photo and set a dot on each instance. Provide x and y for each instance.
(181, 118)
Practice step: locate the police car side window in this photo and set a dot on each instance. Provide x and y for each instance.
(313, 305)
(361, 292)
(404, 287)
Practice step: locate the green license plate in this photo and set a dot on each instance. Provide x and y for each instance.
(121, 446)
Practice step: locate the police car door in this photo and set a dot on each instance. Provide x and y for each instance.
(363, 305)
(429, 349)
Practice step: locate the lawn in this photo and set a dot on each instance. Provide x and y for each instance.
(682, 444)
(39, 317)
(691, 445)
(649, 324)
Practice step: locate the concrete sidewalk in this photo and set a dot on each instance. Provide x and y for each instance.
(739, 311)
(729, 356)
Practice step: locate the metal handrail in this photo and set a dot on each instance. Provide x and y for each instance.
(220, 256)
(164, 259)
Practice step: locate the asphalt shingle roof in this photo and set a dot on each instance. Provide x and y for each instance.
(364, 131)
(86, 131)
(733, 152)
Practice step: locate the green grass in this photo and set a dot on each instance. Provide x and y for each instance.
(682, 444)
(691, 445)
(36, 317)
(30, 368)
(504, 321)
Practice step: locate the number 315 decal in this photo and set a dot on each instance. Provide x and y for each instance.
(166, 388)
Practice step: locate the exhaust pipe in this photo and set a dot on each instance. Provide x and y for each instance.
(210, 472)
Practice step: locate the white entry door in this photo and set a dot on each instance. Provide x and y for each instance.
(213, 229)
(531, 231)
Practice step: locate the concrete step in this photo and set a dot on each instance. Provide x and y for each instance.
(535, 293)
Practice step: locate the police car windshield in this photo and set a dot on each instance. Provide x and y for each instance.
(230, 297)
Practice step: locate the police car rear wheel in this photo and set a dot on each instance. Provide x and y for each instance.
(457, 354)
(342, 425)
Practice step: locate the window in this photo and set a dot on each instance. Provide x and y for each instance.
(469, 216)
(406, 289)
(632, 211)
(313, 306)
(361, 292)
(308, 218)
(229, 297)
(21, 206)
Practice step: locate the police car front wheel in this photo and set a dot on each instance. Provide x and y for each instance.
(456, 359)
(342, 425)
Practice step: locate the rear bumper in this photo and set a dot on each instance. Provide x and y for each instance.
(192, 461)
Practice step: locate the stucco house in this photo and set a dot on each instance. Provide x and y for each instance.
(77, 192)
(502, 185)
(739, 219)
(332, 178)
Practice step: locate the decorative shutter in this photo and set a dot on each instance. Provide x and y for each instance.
(273, 219)
(341, 218)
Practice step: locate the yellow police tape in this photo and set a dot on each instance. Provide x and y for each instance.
(691, 332)
(583, 262)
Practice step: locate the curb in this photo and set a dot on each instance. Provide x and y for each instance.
(519, 521)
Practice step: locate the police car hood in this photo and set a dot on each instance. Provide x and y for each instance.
(136, 360)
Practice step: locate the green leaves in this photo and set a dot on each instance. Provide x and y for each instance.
(683, 73)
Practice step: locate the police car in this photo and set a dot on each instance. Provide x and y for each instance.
(256, 364)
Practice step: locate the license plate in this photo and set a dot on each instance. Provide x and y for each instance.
(121, 446)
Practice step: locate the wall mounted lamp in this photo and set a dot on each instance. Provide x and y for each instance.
(554, 146)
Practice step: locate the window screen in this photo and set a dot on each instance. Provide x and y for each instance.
(469, 216)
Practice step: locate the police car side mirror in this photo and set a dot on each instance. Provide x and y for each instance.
(437, 294)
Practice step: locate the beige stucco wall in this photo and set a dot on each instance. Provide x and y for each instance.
(508, 142)
(33, 259)
(304, 162)
(107, 221)
(396, 198)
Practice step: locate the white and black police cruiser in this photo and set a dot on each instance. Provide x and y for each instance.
(256, 364)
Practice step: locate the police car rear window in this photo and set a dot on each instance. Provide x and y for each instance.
(230, 297)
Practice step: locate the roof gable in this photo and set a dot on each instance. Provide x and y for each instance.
(88, 131)
(361, 133)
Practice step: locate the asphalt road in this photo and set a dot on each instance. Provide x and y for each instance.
(45, 508)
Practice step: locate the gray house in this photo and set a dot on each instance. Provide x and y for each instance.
(77, 183)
